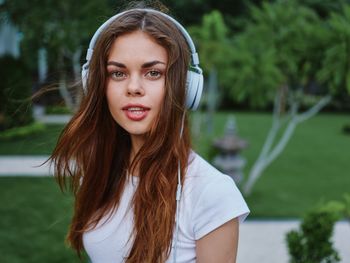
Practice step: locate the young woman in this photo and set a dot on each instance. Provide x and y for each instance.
(141, 193)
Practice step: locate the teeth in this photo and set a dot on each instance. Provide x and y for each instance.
(135, 109)
(137, 112)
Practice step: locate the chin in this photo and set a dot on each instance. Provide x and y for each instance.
(137, 131)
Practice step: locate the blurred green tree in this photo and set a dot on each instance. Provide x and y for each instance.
(213, 44)
(212, 40)
(335, 69)
(15, 89)
(191, 11)
(61, 28)
(324, 7)
(280, 57)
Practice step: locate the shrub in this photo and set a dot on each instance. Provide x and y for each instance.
(15, 91)
(346, 128)
(312, 243)
(20, 132)
(346, 206)
(57, 110)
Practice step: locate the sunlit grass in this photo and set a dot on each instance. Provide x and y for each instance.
(314, 167)
(33, 222)
(41, 143)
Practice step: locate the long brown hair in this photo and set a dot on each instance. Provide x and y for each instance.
(92, 154)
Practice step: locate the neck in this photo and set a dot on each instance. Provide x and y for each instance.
(136, 143)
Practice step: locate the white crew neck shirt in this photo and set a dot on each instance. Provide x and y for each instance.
(209, 200)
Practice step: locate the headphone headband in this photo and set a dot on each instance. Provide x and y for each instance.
(194, 79)
(194, 54)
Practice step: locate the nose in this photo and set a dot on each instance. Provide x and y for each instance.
(134, 87)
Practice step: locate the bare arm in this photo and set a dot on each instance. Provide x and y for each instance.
(220, 245)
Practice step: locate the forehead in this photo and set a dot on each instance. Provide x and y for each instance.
(137, 46)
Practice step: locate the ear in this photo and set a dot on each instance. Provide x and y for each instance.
(84, 76)
(194, 88)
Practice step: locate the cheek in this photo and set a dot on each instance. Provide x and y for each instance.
(160, 95)
(112, 101)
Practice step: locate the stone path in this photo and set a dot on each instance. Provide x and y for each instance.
(24, 165)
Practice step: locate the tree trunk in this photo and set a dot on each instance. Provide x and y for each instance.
(42, 65)
(77, 75)
(268, 155)
(212, 99)
(62, 86)
(64, 91)
(76, 64)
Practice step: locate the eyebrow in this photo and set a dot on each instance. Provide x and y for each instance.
(144, 65)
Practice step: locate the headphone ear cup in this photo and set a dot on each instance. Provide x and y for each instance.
(194, 88)
(84, 76)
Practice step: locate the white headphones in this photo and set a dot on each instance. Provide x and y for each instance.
(194, 82)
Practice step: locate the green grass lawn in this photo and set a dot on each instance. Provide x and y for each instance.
(33, 222)
(314, 167)
(41, 143)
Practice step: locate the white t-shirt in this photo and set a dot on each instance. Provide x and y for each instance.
(209, 199)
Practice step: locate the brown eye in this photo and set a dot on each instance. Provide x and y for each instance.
(117, 75)
(154, 74)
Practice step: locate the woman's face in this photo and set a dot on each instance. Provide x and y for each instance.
(135, 88)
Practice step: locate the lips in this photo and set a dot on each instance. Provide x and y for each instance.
(135, 112)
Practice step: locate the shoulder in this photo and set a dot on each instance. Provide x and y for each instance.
(198, 167)
(203, 174)
(214, 197)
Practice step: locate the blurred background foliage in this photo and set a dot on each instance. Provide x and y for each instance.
(255, 47)
(14, 93)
